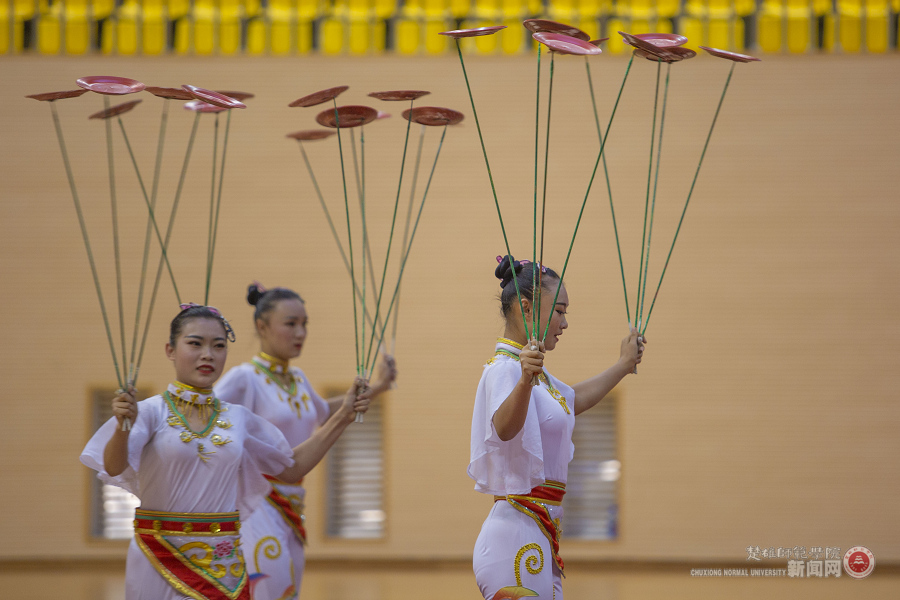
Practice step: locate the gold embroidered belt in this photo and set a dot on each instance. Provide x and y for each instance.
(197, 553)
(288, 505)
(534, 504)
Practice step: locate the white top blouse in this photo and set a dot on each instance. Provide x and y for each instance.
(296, 415)
(172, 469)
(541, 451)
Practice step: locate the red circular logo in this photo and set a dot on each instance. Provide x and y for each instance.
(859, 562)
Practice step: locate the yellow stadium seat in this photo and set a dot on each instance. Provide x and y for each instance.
(332, 36)
(850, 25)
(5, 20)
(590, 27)
(77, 26)
(668, 8)
(378, 29)
(177, 8)
(407, 36)
(738, 33)
(798, 25)
(304, 36)
(719, 28)
(230, 13)
(512, 39)
(153, 27)
(280, 17)
(564, 11)
(204, 27)
(487, 10)
(877, 25)
(770, 26)
(256, 36)
(663, 26)
(49, 32)
(359, 35)
(616, 45)
(384, 9)
(127, 28)
(435, 9)
(435, 43)
(692, 28)
(252, 8)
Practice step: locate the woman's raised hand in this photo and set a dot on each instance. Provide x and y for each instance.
(632, 350)
(532, 361)
(387, 374)
(357, 398)
(124, 405)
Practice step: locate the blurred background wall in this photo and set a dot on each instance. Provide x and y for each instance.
(764, 414)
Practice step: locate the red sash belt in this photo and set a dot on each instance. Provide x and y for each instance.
(534, 504)
(283, 505)
(197, 553)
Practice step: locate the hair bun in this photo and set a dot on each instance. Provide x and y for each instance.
(254, 293)
(504, 271)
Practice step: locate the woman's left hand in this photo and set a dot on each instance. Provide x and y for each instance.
(358, 397)
(632, 350)
(387, 374)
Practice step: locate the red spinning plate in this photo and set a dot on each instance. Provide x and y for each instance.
(309, 135)
(203, 107)
(350, 116)
(214, 98)
(239, 96)
(113, 111)
(545, 26)
(383, 115)
(662, 40)
(51, 96)
(396, 95)
(433, 116)
(110, 85)
(320, 97)
(598, 42)
(462, 33)
(566, 44)
(661, 53)
(730, 55)
(673, 54)
(170, 93)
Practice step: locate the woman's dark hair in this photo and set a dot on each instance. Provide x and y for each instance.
(195, 311)
(524, 274)
(265, 300)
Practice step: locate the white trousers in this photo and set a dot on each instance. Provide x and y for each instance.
(271, 547)
(511, 550)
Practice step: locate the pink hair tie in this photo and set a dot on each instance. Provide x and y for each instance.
(260, 287)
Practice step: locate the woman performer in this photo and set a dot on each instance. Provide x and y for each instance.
(522, 439)
(267, 385)
(194, 461)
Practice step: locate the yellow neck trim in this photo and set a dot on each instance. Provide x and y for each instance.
(275, 362)
(190, 388)
(510, 342)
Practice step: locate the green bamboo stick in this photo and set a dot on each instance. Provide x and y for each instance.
(212, 206)
(690, 193)
(662, 124)
(588, 192)
(491, 178)
(151, 213)
(537, 128)
(169, 228)
(115, 228)
(87, 242)
(387, 255)
(587, 66)
(215, 235)
(360, 191)
(146, 255)
(403, 246)
(538, 287)
(637, 301)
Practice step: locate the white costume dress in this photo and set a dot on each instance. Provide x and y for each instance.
(274, 535)
(518, 543)
(190, 484)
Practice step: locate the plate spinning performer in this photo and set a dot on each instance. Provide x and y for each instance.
(274, 536)
(522, 440)
(195, 461)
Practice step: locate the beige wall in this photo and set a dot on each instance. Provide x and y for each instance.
(765, 413)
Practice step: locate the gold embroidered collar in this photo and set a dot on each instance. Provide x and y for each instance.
(273, 364)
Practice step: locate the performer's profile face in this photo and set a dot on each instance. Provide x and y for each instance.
(200, 352)
(283, 331)
(556, 314)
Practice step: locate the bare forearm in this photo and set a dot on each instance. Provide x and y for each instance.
(334, 404)
(308, 454)
(115, 455)
(510, 417)
(590, 392)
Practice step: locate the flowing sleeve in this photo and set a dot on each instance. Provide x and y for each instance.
(265, 451)
(323, 411)
(234, 385)
(142, 430)
(514, 466)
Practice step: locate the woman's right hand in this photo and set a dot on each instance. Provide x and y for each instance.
(632, 350)
(124, 405)
(532, 361)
